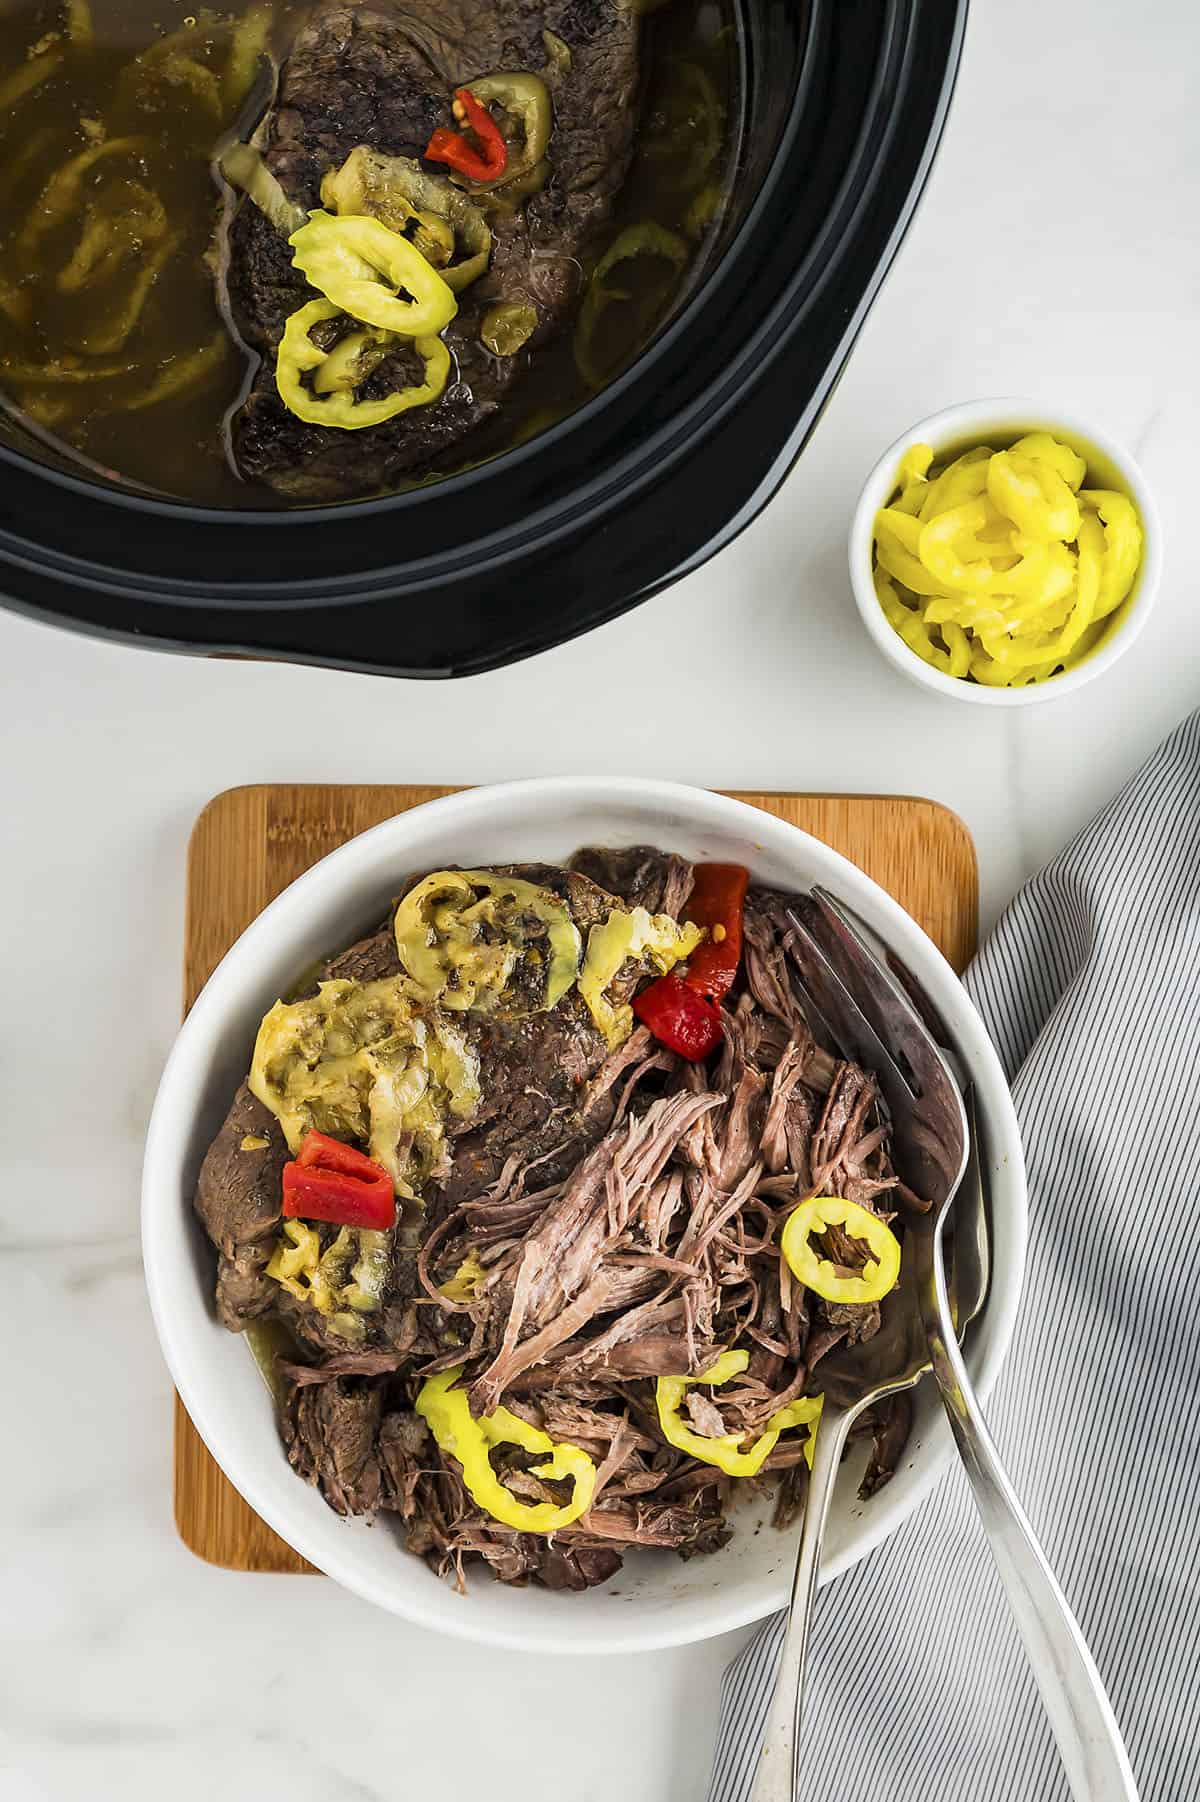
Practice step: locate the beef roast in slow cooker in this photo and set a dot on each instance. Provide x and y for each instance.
(359, 75)
(148, 328)
(569, 506)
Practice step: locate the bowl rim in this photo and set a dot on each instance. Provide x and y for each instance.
(166, 1222)
(1005, 414)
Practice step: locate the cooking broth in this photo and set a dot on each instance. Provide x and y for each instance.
(115, 350)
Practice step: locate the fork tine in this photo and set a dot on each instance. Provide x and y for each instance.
(879, 996)
(853, 1034)
(929, 1123)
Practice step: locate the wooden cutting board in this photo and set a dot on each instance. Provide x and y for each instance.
(249, 843)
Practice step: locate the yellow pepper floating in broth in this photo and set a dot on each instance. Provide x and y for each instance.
(1002, 566)
(298, 355)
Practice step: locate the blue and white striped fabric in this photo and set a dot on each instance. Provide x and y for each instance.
(918, 1687)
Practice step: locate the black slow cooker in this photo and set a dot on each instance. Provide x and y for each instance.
(845, 103)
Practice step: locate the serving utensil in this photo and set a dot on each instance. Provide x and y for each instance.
(860, 1007)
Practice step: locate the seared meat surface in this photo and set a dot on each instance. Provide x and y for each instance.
(238, 1199)
(365, 73)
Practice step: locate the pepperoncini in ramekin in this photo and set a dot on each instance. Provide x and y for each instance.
(1001, 566)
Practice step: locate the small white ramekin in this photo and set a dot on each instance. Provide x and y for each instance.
(999, 422)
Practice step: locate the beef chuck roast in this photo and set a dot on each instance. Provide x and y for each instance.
(330, 1431)
(371, 960)
(369, 74)
(533, 1069)
(240, 1186)
(534, 1072)
(640, 875)
(238, 1198)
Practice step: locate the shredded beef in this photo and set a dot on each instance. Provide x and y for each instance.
(624, 1207)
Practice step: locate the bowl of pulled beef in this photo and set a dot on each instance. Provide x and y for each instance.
(464, 1205)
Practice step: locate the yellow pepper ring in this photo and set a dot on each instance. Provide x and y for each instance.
(441, 930)
(915, 632)
(1042, 448)
(963, 480)
(344, 259)
(881, 1271)
(724, 1450)
(1011, 656)
(1123, 545)
(470, 1440)
(1034, 496)
(942, 553)
(298, 354)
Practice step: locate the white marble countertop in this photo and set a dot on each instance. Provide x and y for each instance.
(1055, 255)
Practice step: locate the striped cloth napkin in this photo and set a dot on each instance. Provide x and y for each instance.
(918, 1686)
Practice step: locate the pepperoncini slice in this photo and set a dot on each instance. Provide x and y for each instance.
(526, 97)
(476, 940)
(342, 1283)
(466, 1279)
(877, 1277)
(914, 483)
(901, 565)
(470, 1440)
(647, 240)
(626, 933)
(914, 464)
(910, 625)
(724, 1451)
(1034, 496)
(298, 355)
(959, 649)
(1003, 567)
(1007, 654)
(1123, 546)
(947, 558)
(506, 327)
(365, 268)
(963, 480)
(1042, 448)
(400, 194)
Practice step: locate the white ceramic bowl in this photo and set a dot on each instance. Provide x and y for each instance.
(998, 423)
(657, 1599)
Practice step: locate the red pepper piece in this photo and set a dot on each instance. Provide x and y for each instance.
(334, 1154)
(718, 895)
(335, 1182)
(679, 1018)
(456, 149)
(682, 1011)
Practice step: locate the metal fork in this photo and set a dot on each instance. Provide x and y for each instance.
(867, 1016)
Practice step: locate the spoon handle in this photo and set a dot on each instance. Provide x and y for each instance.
(1072, 1690)
(776, 1777)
